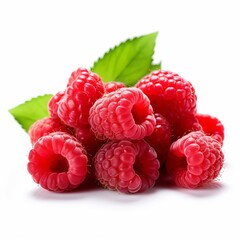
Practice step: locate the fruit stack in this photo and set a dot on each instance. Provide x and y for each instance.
(125, 137)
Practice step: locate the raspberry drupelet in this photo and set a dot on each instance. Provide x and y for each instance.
(81, 72)
(113, 86)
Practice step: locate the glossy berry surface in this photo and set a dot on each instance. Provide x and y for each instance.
(83, 89)
(127, 166)
(173, 97)
(54, 103)
(113, 86)
(58, 162)
(46, 126)
(161, 137)
(88, 140)
(194, 159)
(125, 113)
(211, 126)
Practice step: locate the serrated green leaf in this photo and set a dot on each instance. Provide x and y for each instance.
(30, 111)
(127, 62)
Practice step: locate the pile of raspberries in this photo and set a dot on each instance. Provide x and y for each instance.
(125, 138)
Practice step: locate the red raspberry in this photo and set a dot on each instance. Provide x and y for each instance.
(82, 91)
(160, 139)
(58, 162)
(127, 166)
(54, 102)
(125, 113)
(173, 97)
(113, 86)
(186, 124)
(45, 126)
(194, 159)
(80, 72)
(211, 126)
(88, 140)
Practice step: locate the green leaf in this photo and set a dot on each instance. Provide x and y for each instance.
(30, 111)
(128, 62)
(155, 66)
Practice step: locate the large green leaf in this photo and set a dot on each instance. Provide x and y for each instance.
(127, 62)
(30, 111)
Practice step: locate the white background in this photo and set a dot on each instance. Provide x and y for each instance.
(42, 42)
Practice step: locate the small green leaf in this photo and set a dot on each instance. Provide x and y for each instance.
(155, 66)
(128, 62)
(30, 111)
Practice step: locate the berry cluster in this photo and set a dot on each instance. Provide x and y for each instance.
(125, 138)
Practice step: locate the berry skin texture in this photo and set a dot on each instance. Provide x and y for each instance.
(81, 71)
(113, 86)
(58, 162)
(83, 89)
(54, 103)
(46, 126)
(125, 113)
(127, 166)
(211, 126)
(160, 139)
(194, 160)
(88, 140)
(173, 97)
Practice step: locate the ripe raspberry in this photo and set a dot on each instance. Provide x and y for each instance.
(194, 159)
(186, 124)
(88, 140)
(173, 97)
(58, 162)
(80, 72)
(45, 126)
(82, 91)
(125, 113)
(113, 86)
(127, 166)
(211, 126)
(54, 103)
(160, 139)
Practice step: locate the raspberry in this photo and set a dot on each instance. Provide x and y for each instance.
(173, 97)
(160, 139)
(88, 140)
(211, 126)
(82, 91)
(194, 159)
(80, 72)
(45, 126)
(186, 124)
(54, 102)
(127, 166)
(58, 162)
(113, 86)
(125, 113)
